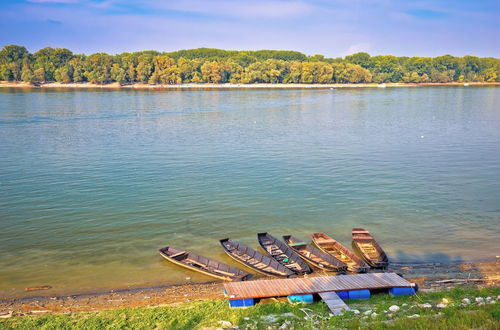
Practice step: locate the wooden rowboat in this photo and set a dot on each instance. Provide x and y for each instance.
(367, 248)
(314, 256)
(204, 265)
(253, 259)
(354, 263)
(283, 254)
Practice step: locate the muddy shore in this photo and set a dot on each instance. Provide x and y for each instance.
(7, 84)
(429, 277)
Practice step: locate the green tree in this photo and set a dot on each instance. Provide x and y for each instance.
(98, 68)
(294, 74)
(77, 65)
(165, 71)
(39, 74)
(211, 72)
(51, 59)
(144, 67)
(350, 73)
(27, 74)
(361, 59)
(63, 74)
(12, 58)
(244, 59)
(118, 74)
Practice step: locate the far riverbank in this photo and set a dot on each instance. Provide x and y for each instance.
(7, 84)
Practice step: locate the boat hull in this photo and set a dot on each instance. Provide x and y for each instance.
(365, 246)
(314, 256)
(283, 254)
(339, 251)
(253, 259)
(203, 265)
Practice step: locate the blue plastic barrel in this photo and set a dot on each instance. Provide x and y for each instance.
(301, 298)
(241, 302)
(401, 291)
(359, 294)
(343, 294)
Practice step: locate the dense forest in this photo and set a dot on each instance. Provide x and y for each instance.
(205, 65)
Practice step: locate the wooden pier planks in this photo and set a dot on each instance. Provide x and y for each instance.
(334, 302)
(292, 286)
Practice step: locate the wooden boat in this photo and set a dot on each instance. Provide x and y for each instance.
(314, 256)
(253, 259)
(354, 263)
(367, 248)
(203, 265)
(283, 254)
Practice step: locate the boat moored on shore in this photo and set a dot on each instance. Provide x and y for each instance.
(329, 245)
(203, 264)
(365, 245)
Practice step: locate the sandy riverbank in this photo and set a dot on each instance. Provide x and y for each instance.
(6, 84)
(430, 277)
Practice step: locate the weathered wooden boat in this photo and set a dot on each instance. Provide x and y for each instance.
(253, 259)
(365, 245)
(315, 256)
(283, 254)
(203, 264)
(354, 263)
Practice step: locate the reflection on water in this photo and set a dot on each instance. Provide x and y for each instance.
(92, 183)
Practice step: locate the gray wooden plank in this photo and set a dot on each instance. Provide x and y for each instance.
(334, 303)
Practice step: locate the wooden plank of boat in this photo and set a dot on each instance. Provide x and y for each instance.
(365, 245)
(329, 245)
(314, 256)
(203, 264)
(253, 259)
(283, 254)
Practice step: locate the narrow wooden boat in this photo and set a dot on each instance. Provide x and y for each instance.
(365, 245)
(283, 254)
(314, 256)
(203, 265)
(354, 263)
(253, 259)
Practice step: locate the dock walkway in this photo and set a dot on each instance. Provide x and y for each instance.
(313, 285)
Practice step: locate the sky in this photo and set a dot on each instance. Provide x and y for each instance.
(333, 28)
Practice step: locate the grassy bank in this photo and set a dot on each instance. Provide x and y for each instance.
(483, 312)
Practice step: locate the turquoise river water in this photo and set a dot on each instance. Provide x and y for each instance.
(94, 182)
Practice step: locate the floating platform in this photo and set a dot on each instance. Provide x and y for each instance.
(315, 285)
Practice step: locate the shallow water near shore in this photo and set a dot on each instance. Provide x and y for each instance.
(94, 182)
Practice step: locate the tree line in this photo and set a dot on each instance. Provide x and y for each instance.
(206, 65)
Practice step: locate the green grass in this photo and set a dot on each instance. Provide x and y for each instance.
(200, 314)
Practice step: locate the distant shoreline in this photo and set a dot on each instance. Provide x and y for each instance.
(7, 84)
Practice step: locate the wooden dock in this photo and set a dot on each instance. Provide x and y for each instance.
(313, 285)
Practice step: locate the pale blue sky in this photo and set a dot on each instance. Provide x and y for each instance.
(333, 28)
